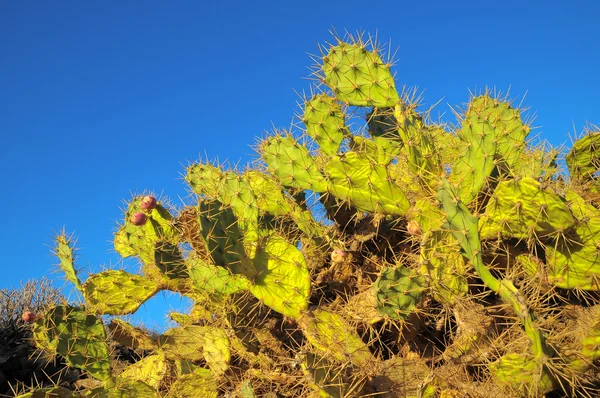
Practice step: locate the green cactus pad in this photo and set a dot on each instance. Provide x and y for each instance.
(359, 77)
(365, 184)
(122, 388)
(334, 339)
(64, 252)
(216, 350)
(168, 259)
(223, 238)
(521, 208)
(383, 129)
(117, 292)
(237, 193)
(283, 281)
(443, 263)
(184, 342)
(214, 280)
(130, 336)
(76, 335)
(200, 383)
(398, 290)
(583, 159)
(292, 163)
(510, 131)
(325, 122)
(476, 163)
(246, 390)
(520, 373)
(205, 179)
(151, 370)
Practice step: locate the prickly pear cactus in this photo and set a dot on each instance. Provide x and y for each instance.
(418, 259)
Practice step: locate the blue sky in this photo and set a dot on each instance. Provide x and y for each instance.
(101, 99)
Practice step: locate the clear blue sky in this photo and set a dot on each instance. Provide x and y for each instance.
(102, 98)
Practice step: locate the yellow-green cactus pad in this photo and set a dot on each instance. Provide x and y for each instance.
(519, 373)
(130, 336)
(64, 252)
(117, 292)
(76, 335)
(584, 158)
(445, 266)
(205, 179)
(334, 339)
(151, 370)
(292, 163)
(183, 343)
(325, 122)
(200, 383)
(359, 77)
(523, 208)
(122, 388)
(168, 259)
(283, 280)
(216, 350)
(214, 280)
(365, 184)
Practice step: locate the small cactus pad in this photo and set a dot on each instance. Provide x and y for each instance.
(64, 252)
(325, 122)
(584, 157)
(398, 290)
(216, 350)
(151, 370)
(359, 77)
(292, 163)
(76, 335)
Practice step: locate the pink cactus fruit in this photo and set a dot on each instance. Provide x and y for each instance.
(138, 219)
(338, 255)
(148, 202)
(413, 228)
(29, 317)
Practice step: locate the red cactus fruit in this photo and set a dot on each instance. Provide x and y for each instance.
(148, 202)
(29, 317)
(338, 255)
(138, 219)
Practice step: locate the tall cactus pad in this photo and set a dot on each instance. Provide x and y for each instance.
(64, 252)
(359, 77)
(365, 184)
(523, 208)
(76, 335)
(151, 370)
(117, 292)
(583, 159)
(216, 350)
(224, 240)
(510, 131)
(334, 339)
(398, 290)
(292, 163)
(283, 281)
(474, 166)
(325, 122)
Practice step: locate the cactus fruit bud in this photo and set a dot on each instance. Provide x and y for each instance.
(338, 256)
(148, 202)
(138, 219)
(29, 317)
(413, 228)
